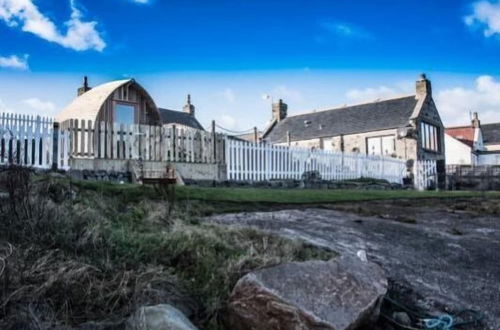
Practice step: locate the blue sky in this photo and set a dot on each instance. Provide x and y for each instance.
(314, 54)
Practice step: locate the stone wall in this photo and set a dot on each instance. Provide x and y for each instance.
(406, 148)
(123, 170)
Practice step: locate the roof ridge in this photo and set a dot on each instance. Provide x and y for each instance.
(456, 127)
(497, 123)
(345, 106)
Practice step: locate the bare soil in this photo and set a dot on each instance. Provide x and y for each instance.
(441, 255)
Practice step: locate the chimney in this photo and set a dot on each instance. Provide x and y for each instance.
(85, 88)
(279, 110)
(424, 87)
(189, 108)
(475, 120)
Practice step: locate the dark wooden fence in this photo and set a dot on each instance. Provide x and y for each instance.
(468, 177)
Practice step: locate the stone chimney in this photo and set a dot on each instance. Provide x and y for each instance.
(476, 123)
(279, 110)
(189, 108)
(85, 88)
(424, 87)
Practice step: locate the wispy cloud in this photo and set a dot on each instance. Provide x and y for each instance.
(14, 62)
(486, 16)
(142, 2)
(79, 35)
(43, 108)
(345, 30)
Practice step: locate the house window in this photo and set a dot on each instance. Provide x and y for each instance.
(124, 114)
(381, 145)
(430, 137)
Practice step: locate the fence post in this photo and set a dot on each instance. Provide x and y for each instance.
(174, 143)
(214, 144)
(55, 146)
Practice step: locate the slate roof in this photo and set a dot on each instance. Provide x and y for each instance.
(179, 117)
(354, 119)
(491, 133)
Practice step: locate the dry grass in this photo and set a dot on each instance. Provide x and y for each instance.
(79, 255)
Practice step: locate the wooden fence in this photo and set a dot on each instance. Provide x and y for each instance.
(257, 162)
(150, 143)
(42, 143)
(31, 141)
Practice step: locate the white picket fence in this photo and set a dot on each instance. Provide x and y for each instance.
(257, 162)
(149, 143)
(32, 141)
(29, 141)
(425, 174)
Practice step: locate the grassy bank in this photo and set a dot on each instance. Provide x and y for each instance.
(278, 196)
(75, 253)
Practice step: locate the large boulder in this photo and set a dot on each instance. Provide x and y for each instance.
(159, 317)
(343, 293)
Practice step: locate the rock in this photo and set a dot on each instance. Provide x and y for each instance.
(344, 293)
(159, 317)
(402, 318)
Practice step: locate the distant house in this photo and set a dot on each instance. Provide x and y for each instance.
(475, 144)
(406, 127)
(185, 118)
(124, 102)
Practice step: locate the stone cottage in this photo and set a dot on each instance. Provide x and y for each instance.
(406, 127)
(125, 102)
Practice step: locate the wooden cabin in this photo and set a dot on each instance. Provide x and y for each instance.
(119, 102)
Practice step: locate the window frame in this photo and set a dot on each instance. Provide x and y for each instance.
(381, 144)
(125, 103)
(429, 137)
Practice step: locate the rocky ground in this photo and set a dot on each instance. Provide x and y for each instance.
(440, 256)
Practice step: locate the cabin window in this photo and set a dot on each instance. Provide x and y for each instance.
(381, 145)
(124, 114)
(429, 135)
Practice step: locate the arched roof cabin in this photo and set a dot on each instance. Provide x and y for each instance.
(121, 101)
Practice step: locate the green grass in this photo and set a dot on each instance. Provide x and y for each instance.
(277, 196)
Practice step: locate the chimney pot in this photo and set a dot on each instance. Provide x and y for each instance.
(279, 110)
(85, 88)
(423, 86)
(476, 123)
(189, 108)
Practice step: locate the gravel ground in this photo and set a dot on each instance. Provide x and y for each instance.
(440, 258)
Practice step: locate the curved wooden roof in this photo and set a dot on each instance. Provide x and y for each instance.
(88, 105)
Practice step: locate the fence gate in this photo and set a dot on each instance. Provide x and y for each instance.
(426, 176)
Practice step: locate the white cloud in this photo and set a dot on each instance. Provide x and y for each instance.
(227, 121)
(43, 108)
(229, 95)
(14, 62)
(3, 107)
(141, 1)
(372, 94)
(486, 15)
(455, 104)
(79, 35)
